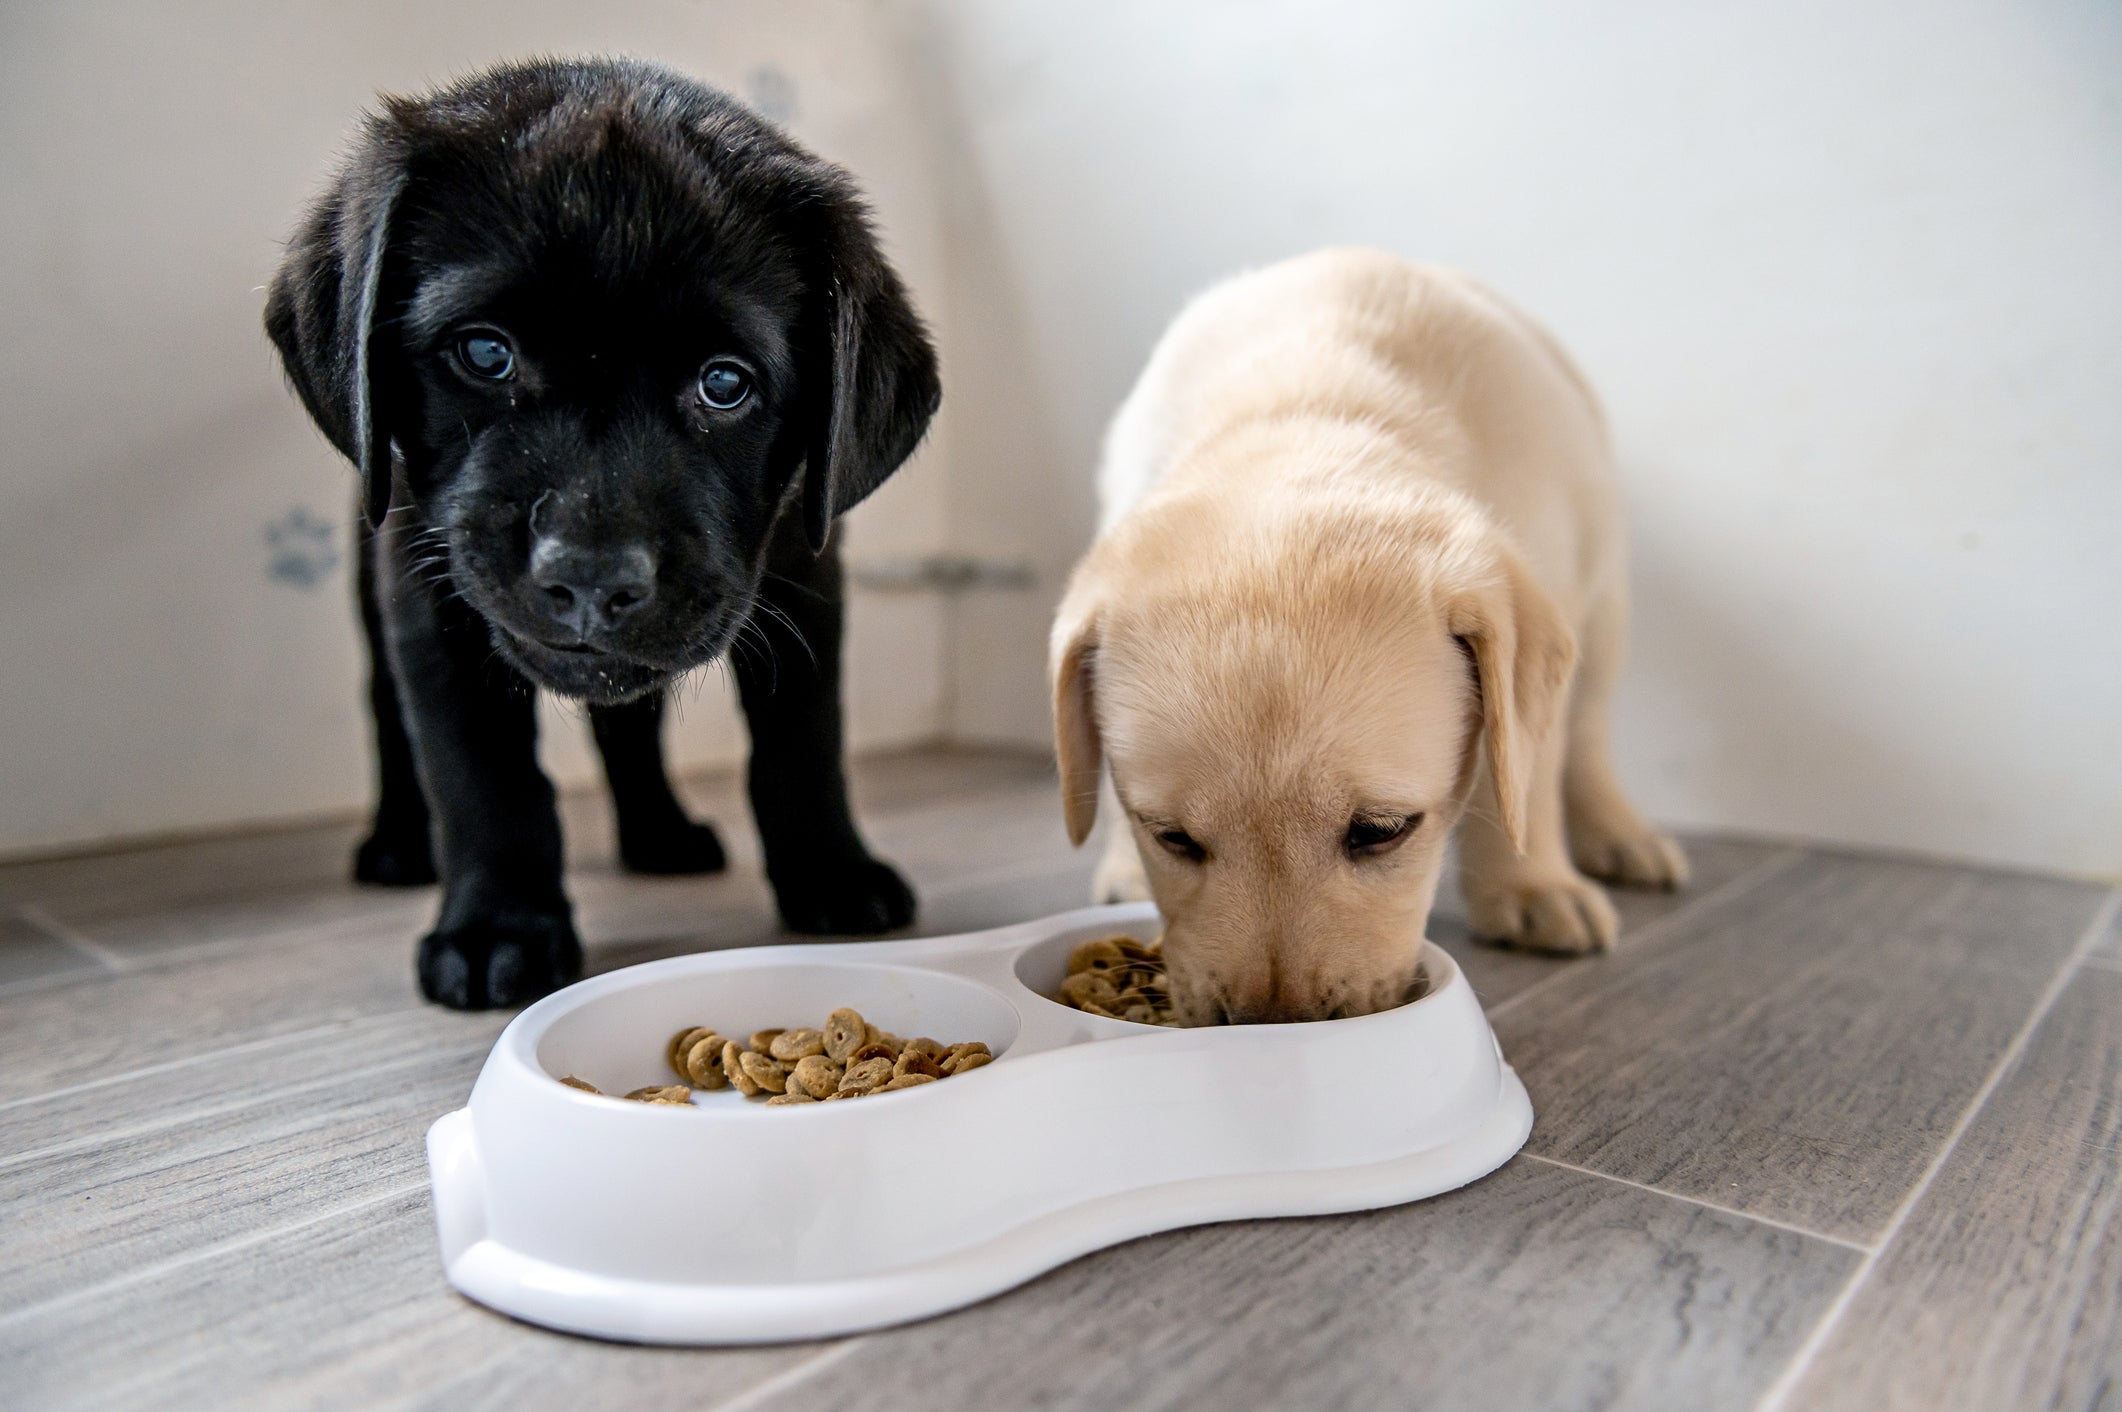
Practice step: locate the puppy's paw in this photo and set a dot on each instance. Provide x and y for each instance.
(1633, 856)
(498, 961)
(395, 856)
(675, 848)
(1119, 877)
(1562, 913)
(856, 897)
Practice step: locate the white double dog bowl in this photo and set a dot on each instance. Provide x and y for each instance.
(732, 1222)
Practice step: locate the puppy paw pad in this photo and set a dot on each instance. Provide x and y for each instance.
(1569, 916)
(489, 963)
(1641, 858)
(859, 898)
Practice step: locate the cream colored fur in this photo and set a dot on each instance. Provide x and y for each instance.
(1361, 558)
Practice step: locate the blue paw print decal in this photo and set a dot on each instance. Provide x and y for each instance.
(300, 549)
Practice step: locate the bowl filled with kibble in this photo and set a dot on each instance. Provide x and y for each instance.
(789, 1142)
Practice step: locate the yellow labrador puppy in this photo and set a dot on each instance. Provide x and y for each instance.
(1361, 572)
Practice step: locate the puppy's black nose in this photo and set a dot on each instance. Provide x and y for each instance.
(591, 591)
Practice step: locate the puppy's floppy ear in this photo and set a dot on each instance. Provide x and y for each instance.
(873, 362)
(322, 307)
(1077, 748)
(1523, 655)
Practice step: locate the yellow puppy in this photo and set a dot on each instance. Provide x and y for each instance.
(1359, 514)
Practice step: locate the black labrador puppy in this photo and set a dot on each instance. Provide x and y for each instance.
(611, 354)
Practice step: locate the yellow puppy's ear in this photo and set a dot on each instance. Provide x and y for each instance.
(1523, 656)
(1076, 746)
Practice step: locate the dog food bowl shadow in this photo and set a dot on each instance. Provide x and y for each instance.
(732, 1222)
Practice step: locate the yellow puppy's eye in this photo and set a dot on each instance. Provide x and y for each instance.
(1370, 835)
(1180, 843)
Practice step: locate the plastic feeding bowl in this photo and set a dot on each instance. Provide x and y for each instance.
(732, 1222)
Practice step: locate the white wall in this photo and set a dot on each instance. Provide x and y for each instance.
(156, 673)
(1849, 276)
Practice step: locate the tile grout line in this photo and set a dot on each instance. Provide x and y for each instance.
(95, 950)
(1786, 1383)
(789, 1377)
(1768, 868)
(1681, 1196)
(144, 1273)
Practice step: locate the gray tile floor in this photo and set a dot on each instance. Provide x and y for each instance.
(1828, 1130)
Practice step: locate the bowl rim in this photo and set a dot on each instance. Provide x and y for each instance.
(516, 1048)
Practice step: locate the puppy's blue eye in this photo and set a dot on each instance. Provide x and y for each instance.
(486, 354)
(724, 384)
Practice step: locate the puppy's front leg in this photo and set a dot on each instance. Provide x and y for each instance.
(788, 675)
(655, 833)
(399, 849)
(506, 934)
(1538, 899)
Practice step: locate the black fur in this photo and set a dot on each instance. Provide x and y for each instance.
(622, 225)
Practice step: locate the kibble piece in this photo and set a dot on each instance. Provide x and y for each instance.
(770, 1075)
(873, 1049)
(909, 1081)
(845, 1030)
(703, 1061)
(917, 1061)
(761, 1040)
(674, 1094)
(815, 1074)
(733, 1069)
(680, 1044)
(1099, 954)
(967, 1062)
(1135, 950)
(794, 1095)
(1088, 986)
(572, 1082)
(925, 1045)
(867, 1074)
(799, 1043)
(845, 1093)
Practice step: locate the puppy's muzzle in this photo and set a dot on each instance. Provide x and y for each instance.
(589, 593)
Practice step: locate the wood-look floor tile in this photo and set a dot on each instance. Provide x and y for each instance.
(30, 954)
(2004, 1286)
(55, 1038)
(346, 1311)
(146, 1093)
(2108, 946)
(1802, 1053)
(90, 1215)
(1536, 1288)
(1499, 974)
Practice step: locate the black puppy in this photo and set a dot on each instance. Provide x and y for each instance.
(611, 354)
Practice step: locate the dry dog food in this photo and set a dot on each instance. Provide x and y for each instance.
(1120, 978)
(847, 1058)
